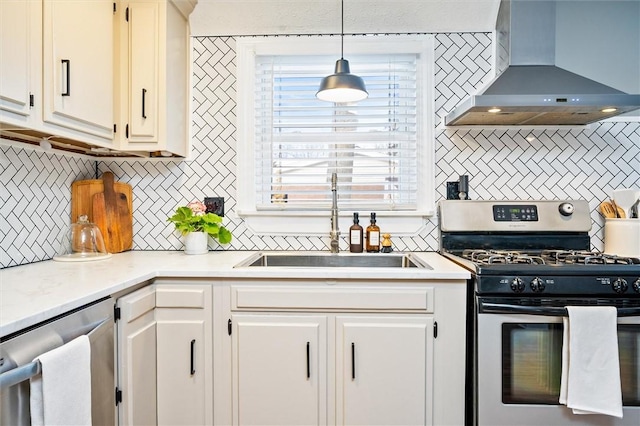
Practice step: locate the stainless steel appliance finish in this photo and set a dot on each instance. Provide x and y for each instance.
(529, 260)
(326, 260)
(518, 370)
(18, 350)
(529, 88)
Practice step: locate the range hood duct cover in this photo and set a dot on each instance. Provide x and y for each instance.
(530, 89)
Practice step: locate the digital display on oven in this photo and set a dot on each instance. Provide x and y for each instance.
(520, 213)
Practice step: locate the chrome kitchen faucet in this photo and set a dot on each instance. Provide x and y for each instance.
(334, 247)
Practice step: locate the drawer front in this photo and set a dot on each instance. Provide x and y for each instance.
(342, 299)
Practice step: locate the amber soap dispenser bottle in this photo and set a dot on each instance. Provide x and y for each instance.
(355, 235)
(373, 236)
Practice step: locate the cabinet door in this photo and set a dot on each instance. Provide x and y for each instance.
(280, 369)
(19, 26)
(384, 370)
(184, 354)
(144, 36)
(78, 54)
(136, 342)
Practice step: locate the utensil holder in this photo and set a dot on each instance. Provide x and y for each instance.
(622, 237)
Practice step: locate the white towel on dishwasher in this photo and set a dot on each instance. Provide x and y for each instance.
(61, 394)
(590, 381)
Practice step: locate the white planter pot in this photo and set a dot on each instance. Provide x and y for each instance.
(196, 243)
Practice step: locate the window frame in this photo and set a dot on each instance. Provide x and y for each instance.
(308, 222)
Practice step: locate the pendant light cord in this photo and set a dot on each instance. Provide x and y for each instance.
(342, 30)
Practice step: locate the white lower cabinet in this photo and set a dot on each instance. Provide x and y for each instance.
(165, 370)
(379, 351)
(280, 369)
(384, 370)
(136, 345)
(346, 352)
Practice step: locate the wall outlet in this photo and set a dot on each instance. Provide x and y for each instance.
(452, 191)
(215, 205)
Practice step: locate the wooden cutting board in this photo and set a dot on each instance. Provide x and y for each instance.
(109, 205)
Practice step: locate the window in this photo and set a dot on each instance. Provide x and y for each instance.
(289, 142)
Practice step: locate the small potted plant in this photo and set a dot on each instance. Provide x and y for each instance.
(195, 224)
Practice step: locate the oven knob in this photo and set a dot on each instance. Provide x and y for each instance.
(636, 285)
(566, 209)
(619, 285)
(517, 285)
(537, 285)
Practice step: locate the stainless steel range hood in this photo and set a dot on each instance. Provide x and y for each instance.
(530, 89)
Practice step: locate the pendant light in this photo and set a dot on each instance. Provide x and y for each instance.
(342, 86)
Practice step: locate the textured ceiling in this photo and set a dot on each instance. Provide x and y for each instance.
(258, 17)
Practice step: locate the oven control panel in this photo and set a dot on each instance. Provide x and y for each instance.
(514, 216)
(515, 213)
(577, 285)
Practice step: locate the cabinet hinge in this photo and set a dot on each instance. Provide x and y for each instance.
(126, 131)
(32, 101)
(118, 396)
(116, 313)
(229, 327)
(126, 14)
(435, 329)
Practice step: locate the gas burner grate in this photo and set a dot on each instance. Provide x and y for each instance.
(546, 257)
(586, 258)
(484, 257)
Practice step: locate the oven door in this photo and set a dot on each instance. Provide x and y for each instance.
(519, 362)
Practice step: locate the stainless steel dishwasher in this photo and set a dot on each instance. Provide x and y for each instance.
(18, 350)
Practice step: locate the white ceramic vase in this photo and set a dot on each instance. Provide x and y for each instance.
(195, 243)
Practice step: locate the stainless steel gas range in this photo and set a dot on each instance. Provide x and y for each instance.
(530, 260)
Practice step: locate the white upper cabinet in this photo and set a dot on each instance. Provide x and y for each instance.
(78, 64)
(154, 77)
(97, 73)
(20, 44)
(144, 58)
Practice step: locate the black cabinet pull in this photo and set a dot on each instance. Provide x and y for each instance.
(144, 97)
(308, 363)
(353, 361)
(193, 357)
(66, 63)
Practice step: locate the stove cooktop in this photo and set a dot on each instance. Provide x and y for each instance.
(546, 257)
(532, 249)
(552, 272)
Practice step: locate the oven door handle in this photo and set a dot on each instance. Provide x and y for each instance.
(555, 311)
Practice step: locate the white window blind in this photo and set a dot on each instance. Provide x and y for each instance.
(372, 145)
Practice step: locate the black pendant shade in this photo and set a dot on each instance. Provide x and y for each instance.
(342, 86)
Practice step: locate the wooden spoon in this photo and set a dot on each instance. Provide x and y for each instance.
(619, 211)
(607, 210)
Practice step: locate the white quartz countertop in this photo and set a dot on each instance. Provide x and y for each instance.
(33, 293)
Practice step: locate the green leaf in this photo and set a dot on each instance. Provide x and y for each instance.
(224, 235)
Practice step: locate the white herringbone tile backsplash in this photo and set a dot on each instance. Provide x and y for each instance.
(502, 164)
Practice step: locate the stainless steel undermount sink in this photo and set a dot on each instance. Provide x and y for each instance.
(332, 260)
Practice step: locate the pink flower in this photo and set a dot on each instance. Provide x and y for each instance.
(197, 208)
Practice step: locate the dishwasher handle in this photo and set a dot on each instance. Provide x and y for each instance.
(27, 371)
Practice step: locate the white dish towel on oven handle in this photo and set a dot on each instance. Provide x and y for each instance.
(590, 381)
